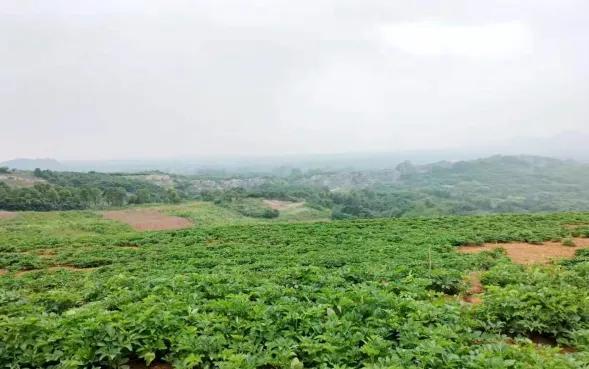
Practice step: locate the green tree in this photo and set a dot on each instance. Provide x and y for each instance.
(115, 196)
(173, 196)
(143, 196)
(91, 196)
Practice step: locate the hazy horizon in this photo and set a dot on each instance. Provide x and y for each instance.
(103, 80)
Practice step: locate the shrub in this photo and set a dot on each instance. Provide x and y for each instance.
(568, 242)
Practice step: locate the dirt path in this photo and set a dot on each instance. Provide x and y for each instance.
(476, 288)
(525, 253)
(148, 220)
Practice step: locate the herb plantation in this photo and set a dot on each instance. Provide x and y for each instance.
(78, 291)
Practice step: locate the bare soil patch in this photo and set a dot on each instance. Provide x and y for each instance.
(7, 214)
(148, 220)
(582, 243)
(3, 271)
(281, 205)
(525, 253)
(476, 288)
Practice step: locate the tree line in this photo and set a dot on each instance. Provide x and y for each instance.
(77, 191)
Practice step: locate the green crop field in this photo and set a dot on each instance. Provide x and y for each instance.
(208, 214)
(78, 291)
(214, 184)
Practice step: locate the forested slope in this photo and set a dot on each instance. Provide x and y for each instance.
(498, 184)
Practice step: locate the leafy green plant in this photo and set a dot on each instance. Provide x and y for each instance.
(345, 294)
(568, 242)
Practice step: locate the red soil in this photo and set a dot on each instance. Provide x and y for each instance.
(148, 220)
(525, 253)
(476, 288)
(7, 214)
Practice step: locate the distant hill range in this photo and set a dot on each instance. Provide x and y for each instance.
(499, 183)
(31, 164)
(565, 146)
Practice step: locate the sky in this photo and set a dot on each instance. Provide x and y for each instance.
(111, 79)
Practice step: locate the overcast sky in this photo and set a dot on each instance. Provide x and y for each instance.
(157, 79)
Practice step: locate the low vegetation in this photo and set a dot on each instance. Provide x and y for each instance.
(499, 184)
(80, 291)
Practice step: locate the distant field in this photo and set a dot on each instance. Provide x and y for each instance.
(208, 214)
(147, 220)
(81, 291)
(20, 179)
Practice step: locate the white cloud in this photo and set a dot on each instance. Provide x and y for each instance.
(499, 40)
(105, 78)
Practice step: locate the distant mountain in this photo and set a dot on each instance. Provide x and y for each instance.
(31, 164)
(508, 173)
(565, 145)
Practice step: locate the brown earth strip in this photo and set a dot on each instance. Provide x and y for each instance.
(476, 288)
(148, 220)
(525, 253)
(7, 214)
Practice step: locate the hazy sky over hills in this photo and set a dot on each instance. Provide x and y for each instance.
(131, 79)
